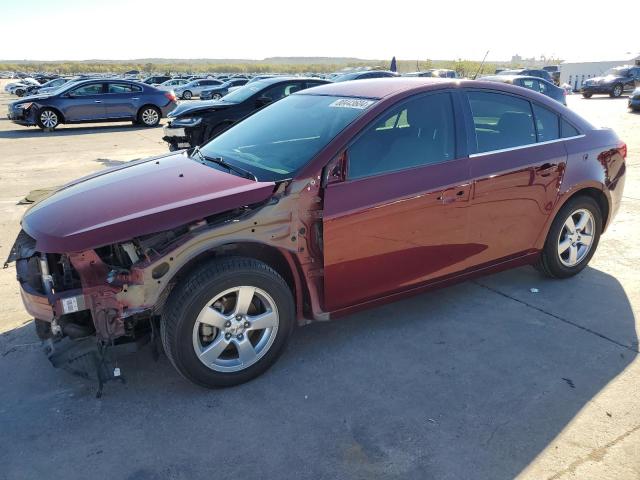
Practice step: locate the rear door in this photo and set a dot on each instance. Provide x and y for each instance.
(399, 219)
(85, 102)
(516, 172)
(122, 100)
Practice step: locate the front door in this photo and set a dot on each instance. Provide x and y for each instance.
(399, 219)
(516, 173)
(85, 103)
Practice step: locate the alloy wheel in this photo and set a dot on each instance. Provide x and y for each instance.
(235, 329)
(150, 116)
(617, 90)
(576, 237)
(49, 119)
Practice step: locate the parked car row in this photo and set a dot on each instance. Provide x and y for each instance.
(307, 204)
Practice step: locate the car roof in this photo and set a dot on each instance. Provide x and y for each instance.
(377, 88)
(507, 78)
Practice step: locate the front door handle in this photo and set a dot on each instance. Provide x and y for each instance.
(455, 194)
(135, 98)
(98, 101)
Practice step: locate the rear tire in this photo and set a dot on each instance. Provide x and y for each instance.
(212, 337)
(566, 253)
(19, 92)
(149, 116)
(617, 90)
(216, 96)
(587, 95)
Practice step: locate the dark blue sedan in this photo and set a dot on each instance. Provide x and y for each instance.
(94, 100)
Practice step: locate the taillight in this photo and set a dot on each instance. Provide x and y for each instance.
(622, 150)
(171, 96)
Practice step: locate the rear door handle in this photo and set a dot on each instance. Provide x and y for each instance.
(135, 98)
(98, 101)
(546, 169)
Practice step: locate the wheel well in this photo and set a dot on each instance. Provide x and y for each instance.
(264, 253)
(145, 106)
(600, 199)
(58, 112)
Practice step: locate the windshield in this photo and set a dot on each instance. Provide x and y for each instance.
(278, 140)
(620, 72)
(244, 92)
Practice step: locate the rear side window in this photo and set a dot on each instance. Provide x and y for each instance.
(547, 124)
(531, 84)
(123, 88)
(567, 130)
(501, 121)
(419, 132)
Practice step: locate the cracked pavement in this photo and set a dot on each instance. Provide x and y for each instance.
(484, 380)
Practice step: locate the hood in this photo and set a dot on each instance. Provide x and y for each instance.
(135, 199)
(191, 107)
(31, 98)
(604, 79)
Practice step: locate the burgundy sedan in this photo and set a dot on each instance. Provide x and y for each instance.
(334, 199)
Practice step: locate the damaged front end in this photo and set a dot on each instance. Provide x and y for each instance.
(73, 299)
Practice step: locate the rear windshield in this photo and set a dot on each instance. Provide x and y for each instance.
(278, 140)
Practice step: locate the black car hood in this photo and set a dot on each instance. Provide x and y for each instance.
(188, 108)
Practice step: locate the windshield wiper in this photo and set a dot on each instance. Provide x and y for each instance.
(220, 161)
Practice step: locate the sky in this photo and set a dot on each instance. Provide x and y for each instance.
(248, 29)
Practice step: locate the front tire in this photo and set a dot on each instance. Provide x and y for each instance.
(572, 239)
(216, 96)
(19, 92)
(186, 95)
(227, 322)
(48, 119)
(587, 95)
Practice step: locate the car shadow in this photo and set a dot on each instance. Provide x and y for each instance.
(464, 382)
(67, 130)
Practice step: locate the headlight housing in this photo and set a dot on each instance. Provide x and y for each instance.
(24, 106)
(186, 121)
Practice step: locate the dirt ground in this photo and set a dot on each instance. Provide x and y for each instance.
(484, 380)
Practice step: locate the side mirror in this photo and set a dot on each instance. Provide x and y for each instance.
(71, 95)
(336, 170)
(262, 101)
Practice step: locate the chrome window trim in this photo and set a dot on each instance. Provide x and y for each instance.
(520, 147)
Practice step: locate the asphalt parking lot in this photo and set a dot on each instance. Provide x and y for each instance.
(484, 380)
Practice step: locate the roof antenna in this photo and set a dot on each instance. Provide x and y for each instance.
(481, 65)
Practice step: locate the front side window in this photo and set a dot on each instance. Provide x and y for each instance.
(91, 89)
(501, 121)
(419, 132)
(278, 140)
(547, 124)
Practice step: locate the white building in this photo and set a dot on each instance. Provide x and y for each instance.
(576, 71)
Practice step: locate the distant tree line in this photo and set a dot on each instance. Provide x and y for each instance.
(465, 68)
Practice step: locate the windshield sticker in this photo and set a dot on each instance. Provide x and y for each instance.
(358, 103)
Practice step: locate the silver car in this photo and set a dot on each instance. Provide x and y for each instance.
(195, 88)
(172, 84)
